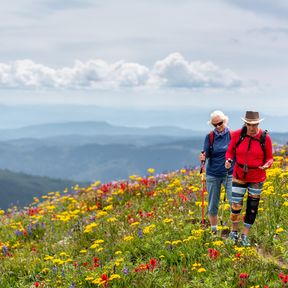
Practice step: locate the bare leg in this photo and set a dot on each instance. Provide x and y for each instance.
(213, 220)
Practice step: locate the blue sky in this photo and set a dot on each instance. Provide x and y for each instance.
(146, 54)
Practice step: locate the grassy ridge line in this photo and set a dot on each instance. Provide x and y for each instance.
(143, 232)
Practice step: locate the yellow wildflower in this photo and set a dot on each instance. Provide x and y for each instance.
(128, 238)
(150, 170)
(168, 220)
(279, 230)
(218, 243)
(176, 242)
(45, 270)
(94, 246)
(89, 278)
(108, 208)
(114, 276)
(112, 219)
(149, 229)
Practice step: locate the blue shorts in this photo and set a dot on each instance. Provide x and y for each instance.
(239, 190)
(213, 185)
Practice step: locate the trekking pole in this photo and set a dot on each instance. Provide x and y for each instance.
(224, 199)
(202, 170)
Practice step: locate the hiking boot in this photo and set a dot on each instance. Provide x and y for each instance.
(213, 233)
(213, 230)
(244, 241)
(233, 236)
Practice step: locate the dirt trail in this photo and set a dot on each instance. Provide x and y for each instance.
(269, 258)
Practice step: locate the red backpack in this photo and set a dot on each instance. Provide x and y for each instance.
(211, 140)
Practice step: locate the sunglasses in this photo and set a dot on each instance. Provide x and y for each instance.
(252, 125)
(218, 124)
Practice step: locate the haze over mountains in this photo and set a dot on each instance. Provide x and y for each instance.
(185, 117)
(90, 151)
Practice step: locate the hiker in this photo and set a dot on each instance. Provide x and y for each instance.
(215, 147)
(251, 150)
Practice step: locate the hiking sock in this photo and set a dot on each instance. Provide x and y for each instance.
(214, 229)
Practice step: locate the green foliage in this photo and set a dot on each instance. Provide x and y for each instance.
(143, 232)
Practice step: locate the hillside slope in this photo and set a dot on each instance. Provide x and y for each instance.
(142, 232)
(19, 188)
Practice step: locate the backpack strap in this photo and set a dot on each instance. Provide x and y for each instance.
(242, 136)
(262, 143)
(211, 141)
(261, 140)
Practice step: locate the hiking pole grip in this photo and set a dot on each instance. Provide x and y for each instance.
(202, 163)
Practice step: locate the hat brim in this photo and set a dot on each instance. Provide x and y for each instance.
(252, 121)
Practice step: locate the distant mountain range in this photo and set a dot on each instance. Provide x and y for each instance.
(97, 150)
(193, 118)
(92, 161)
(92, 129)
(90, 151)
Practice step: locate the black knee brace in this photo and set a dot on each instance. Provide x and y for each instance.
(251, 209)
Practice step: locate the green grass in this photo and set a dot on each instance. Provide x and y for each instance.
(143, 232)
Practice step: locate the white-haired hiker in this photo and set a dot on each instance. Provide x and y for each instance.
(214, 150)
(251, 150)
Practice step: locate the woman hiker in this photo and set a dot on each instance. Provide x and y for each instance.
(251, 151)
(215, 147)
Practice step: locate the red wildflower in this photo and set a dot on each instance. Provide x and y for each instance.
(238, 255)
(96, 262)
(149, 214)
(123, 186)
(140, 212)
(33, 211)
(145, 181)
(283, 277)
(104, 279)
(243, 275)
(153, 263)
(183, 197)
(141, 267)
(151, 193)
(37, 284)
(213, 253)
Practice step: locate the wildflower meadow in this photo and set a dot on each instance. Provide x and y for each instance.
(143, 232)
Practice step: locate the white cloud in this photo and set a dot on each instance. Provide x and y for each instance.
(173, 71)
(178, 72)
